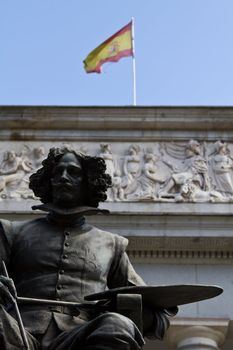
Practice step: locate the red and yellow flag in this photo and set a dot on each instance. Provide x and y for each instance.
(111, 50)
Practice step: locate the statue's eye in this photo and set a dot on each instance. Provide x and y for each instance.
(74, 171)
(57, 171)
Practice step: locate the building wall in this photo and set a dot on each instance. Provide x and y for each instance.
(172, 202)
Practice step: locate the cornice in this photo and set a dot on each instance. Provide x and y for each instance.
(120, 118)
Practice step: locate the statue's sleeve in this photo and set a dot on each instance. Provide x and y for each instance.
(6, 239)
(122, 273)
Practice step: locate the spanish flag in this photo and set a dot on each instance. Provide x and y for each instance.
(111, 50)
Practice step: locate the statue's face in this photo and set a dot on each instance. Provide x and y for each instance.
(223, 149)
(195, 147)
(67, 182)
(11, 156)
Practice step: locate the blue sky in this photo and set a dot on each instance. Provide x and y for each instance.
(184, 52)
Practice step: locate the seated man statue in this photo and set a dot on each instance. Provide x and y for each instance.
(60, 257)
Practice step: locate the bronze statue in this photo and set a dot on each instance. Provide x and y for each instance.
(62, 258)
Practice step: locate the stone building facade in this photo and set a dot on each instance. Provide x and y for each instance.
(172, 195)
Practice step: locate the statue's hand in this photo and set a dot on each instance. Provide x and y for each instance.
(156, 322)
(7, 290)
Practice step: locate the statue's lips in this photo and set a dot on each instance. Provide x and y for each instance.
(63, 187)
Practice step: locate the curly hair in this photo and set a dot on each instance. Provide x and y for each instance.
(95, 177)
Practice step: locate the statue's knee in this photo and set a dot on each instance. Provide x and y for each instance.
(115, 331)
(118, 320)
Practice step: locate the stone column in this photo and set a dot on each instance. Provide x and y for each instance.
(199, 338)
(196, 337)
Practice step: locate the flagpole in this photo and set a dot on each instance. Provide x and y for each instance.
(134, 65)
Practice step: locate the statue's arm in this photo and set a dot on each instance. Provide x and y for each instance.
(7, 290)
(122, 274)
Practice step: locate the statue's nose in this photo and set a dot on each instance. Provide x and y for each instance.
(64, 175)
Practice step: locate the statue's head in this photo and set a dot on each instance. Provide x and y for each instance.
(69, 178)
(194, 147)
(221, 147)
(10, 156)
(134, 149)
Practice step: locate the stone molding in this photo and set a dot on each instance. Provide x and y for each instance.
(181, 257)
(129, 118)
(181, 250)
(108, 124)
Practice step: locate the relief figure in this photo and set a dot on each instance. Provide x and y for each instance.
(150, 180)
(193, 169)
(132, 169)
(221, 165)
(12, 170)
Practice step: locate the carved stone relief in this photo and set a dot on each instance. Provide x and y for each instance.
(161, 172)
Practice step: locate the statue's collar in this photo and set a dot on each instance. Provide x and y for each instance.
(73, 216)
(82, 210)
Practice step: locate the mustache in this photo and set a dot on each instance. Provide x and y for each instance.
(63, 185)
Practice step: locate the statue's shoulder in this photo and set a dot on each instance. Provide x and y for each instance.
(9, 230)
(119, 241)
(6, 225)
(14, 227)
